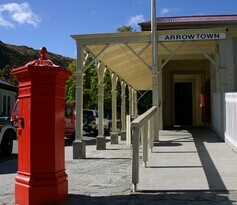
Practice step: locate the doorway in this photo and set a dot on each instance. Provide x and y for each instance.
(183, 103)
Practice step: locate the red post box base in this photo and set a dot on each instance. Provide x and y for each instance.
(38, 189)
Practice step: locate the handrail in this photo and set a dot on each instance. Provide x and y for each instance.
(142, 119)
(144, 122)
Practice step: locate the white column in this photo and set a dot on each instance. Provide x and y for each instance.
(123, 110)
(79, 148)
(114, 134)
(123, 107)
(160, 92)
(130, 100)
(135, 102)
(100, 140)
(222, 70)
(101, 108)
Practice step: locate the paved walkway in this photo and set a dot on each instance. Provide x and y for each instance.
(105, 176)
(196, 161)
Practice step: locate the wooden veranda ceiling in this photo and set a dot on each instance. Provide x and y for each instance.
(129, 54)
(121, 60)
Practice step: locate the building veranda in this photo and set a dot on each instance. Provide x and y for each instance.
(196, 63)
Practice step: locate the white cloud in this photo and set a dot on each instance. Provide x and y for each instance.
(165, 10)
(17, 13)
(134, 20)
(5, 23)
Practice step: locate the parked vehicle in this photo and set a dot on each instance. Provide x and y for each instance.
(14, 113)
(5, 117)
(7, 135)
(90, 122)
(69, 119)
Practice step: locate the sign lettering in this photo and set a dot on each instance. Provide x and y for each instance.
(189, 37)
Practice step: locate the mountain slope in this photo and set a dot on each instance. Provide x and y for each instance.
(12, 56)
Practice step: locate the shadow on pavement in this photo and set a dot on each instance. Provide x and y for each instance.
(88, 138)
(166, 144)
(164, 198)
(108, 158)
(200, 137)
(213, 177)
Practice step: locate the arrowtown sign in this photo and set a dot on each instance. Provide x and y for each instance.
(192, 37)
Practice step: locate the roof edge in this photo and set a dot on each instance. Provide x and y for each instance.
(186, 21)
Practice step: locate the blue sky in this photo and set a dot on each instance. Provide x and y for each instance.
(37, 23)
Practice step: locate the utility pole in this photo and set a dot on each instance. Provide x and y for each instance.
(154, 37)
(154, 68)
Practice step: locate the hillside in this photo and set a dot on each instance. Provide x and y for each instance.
(12, 56)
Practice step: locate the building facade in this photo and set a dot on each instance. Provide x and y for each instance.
(198, 72)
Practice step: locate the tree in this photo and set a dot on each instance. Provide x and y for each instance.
(71, 84)
(90, 98)
(5, 74)
(145, 101)
(125, 29)
(90, 86)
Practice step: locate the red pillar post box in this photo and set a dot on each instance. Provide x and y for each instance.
(41, 177)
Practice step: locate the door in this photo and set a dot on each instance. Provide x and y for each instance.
(183, 103)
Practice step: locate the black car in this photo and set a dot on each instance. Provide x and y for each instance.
(7, 135)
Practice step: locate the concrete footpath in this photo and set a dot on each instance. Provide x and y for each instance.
(104, 177)
(193, 161)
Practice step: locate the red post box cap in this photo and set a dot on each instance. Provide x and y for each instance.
(41, 64)
(42, 61)
(43, 51)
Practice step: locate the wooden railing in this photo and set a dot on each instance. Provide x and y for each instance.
(142, 129)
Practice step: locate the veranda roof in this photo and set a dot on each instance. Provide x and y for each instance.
(129, 54)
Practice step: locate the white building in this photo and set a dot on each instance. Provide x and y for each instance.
(8, 95)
